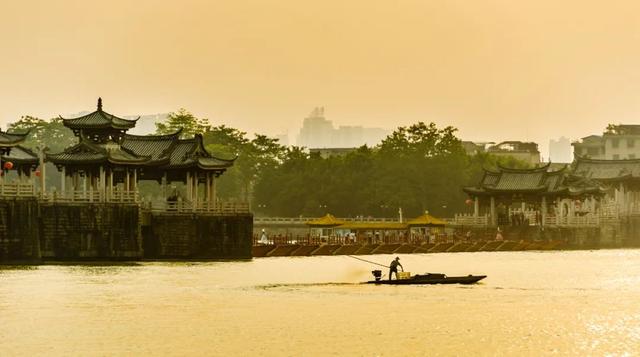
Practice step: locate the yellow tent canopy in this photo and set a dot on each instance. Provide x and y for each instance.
(364, 226)
(326, 221)
(426, 220)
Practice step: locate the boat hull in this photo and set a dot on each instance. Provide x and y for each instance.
(431, 279)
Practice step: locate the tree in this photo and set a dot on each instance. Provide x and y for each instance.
(253, 156)
(51, 134)
(183, 119)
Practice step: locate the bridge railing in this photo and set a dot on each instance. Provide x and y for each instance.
(183, 207)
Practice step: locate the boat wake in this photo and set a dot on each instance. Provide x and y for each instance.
(301, 285)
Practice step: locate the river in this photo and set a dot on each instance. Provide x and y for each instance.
(532, 303)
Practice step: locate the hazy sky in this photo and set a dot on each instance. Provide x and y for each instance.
(495, 69)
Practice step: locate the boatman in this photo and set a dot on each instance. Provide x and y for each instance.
(393, 267)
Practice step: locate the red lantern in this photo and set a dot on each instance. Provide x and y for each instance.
(8, 165)
(37, 173)
(468, 201)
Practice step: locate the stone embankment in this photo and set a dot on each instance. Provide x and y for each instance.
(293, 250)
(34, 231)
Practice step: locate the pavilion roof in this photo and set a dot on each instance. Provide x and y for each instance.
(87, 152)
(12, 139)
(538, 180)
(606, 170)
(158, 147)
(191, 153)
(20, 155)
(162, 151)
(99, 119)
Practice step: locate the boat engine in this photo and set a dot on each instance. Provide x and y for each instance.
(377, 274)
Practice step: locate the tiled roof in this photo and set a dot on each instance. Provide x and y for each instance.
(158, 147)
(162, 151)
(11, 139)
(88, 152)
(519, 181)
(76, 157)
(191, 152)
(538, 180)
(21, 155)
(99, 120)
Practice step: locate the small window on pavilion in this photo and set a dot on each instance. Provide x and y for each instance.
(632, 156)
(616, 157)
(631, 143)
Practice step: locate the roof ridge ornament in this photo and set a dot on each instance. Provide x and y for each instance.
(99, 104)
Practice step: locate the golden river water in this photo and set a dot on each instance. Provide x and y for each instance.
(532, 303)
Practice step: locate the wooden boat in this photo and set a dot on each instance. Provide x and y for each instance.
(426, 279)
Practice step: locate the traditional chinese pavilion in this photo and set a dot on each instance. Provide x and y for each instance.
(107, 163)
(23, 161)
(620, 178)
(530, 192)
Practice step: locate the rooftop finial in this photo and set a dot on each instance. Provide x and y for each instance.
(99, 104)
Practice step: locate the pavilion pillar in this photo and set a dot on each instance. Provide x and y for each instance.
(476, 207)
(493, 211)
(63, 177)
(76, 183)
(127, 183)
(91, 186)
(543, 210)
(43, 181)
(207, 190)
(214, 196)
(195, 188)
(188, 186)
(164, 185)
(103, 184)
(110, 184)
(134, 184)
(621, 198)
(84, 186)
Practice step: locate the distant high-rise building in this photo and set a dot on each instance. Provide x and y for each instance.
(618, 142)
(318, 132)
(560, 150)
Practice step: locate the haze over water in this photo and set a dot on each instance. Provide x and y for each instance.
(532, 303)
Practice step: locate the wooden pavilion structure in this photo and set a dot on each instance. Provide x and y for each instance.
(529, 193)
(620, 180)
(19, 159)
(107, 163)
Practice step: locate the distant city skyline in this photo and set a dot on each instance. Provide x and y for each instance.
(319, 132)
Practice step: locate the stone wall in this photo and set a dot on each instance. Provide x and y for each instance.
(90, 231)
(171, 235)
(19, 230)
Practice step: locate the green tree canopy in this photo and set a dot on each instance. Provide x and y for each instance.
(183, 119)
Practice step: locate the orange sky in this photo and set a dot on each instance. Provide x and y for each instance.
(495, 69)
